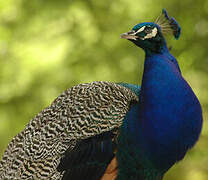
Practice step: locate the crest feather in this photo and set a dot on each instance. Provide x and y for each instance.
(168, 25)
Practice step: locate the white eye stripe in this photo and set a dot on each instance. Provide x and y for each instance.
(151, 35)
(140, 30)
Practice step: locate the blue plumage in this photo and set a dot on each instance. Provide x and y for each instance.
(167, 122)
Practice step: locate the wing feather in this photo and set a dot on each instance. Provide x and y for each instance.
(79, 113)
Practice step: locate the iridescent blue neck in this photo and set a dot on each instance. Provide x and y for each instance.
(164, 51)
(167, 121)
(152, 47)
(167, 105)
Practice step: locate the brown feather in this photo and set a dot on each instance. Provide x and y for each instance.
(111, 171)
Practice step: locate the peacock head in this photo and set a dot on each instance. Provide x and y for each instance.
(149, 35)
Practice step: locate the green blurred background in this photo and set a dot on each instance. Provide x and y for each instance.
(47, 46)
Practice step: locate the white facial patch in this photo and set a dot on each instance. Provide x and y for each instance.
(133, 34)
(140, 30)
(151, 35)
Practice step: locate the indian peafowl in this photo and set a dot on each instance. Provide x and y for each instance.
(104, 130)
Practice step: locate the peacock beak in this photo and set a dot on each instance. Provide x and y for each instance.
(129, 35)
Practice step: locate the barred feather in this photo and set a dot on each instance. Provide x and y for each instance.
(80, 112)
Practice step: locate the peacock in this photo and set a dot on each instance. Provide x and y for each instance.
(103, 130)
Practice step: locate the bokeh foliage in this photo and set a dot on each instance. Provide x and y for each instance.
(47, 46)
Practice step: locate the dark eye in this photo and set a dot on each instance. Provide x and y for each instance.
(148, 30)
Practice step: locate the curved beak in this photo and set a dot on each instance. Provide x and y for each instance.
(129, 35)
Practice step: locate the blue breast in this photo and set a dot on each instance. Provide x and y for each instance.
(168, 119)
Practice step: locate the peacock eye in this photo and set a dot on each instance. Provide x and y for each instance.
(147, 30)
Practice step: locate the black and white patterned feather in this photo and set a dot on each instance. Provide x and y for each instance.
(79, 113)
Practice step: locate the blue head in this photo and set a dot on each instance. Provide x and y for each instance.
(149, 35)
